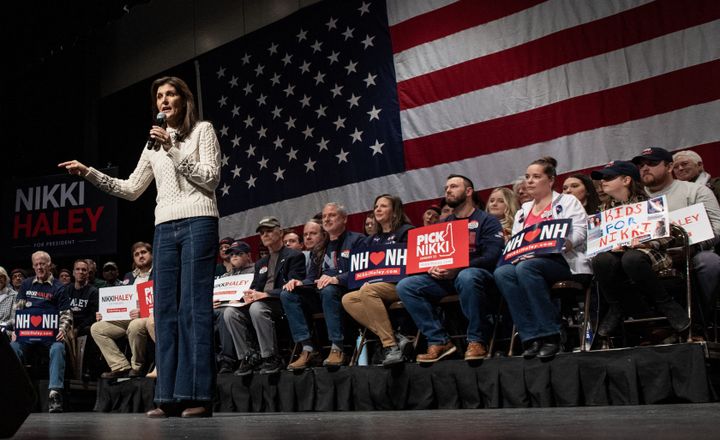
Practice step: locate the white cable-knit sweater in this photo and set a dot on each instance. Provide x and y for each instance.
(185, 176)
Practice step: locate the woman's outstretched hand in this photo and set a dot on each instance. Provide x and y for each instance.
(74, 167)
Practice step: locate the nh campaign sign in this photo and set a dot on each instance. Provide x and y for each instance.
(146, 300)
(622, 225)
(117, 302)
(442, 244)
(547, 237)
(61, 214)
(695, 221)
(35, 326)
(378, 263)
(231, 288)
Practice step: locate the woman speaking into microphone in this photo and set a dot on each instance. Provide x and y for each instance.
(185, 163)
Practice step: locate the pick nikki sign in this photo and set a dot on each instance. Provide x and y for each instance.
(35, 326)
(378, 263)
(443, 245)
(547, 237)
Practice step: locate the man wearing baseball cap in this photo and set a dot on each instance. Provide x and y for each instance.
(656, 165)
(223, 265)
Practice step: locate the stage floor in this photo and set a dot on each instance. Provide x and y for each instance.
(696, 421)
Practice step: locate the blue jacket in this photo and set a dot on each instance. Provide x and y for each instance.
(342, 246)
(486, 239)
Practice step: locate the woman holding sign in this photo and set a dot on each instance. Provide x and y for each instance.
(639, 262)
(525, 285)
(368, 305)
(184, 160)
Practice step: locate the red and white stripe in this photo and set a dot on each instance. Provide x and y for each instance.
(485, 87)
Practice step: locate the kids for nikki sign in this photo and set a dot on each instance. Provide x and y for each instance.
(623, 225)
(61, 214)
(547, 237)
(36, 326)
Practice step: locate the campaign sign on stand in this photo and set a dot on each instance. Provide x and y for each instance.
(117, 302)
(547, 237)
(443, 245)
(145, 298)
(35, 326)
(231, 288)
(378, 263)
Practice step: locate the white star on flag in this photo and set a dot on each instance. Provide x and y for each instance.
(263, 162)
(377, 147)
(225, 189)
(292, 154)
(342, 156)
(374, 113)
(236, 171)
(251, 181)
(279, 174)
(309, 165)
(356, 136)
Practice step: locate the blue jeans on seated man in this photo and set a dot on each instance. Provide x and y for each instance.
(57, 362)
(420, 293)
(183, 273)
(304, 300)
(526, 288)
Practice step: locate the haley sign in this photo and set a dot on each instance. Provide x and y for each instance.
(547, 237)
(231, 288)
(695, 221)
(442, 244)
(117, 302)
(378, 263)
(627, 224)
(35, 326)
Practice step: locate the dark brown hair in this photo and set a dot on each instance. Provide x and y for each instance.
(592, 199)
(399, 217)
(549, 164)
(189, 113)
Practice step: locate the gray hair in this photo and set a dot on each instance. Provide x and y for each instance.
(338, 207)
(517, 183)
(43, 254)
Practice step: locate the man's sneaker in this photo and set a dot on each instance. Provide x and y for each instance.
(475, 351)
(404, 344)
(336, 358)
(271, 365)
(55, 402)
(436, 352)
(248, 365)
(674, 313)
(115, 374)
(225, 367)
(307, 359)
(392, 356)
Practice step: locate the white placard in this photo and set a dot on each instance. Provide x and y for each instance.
(695, 221)
(116, 302)
(231, 288)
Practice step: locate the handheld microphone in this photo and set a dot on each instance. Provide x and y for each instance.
(160, 120)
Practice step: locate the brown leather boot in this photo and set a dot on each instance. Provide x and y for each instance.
(436, 352)
(335, 359)
(475, 351)
(307, 359)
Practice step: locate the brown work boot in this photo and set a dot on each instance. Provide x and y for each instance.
(436, 352)
(307, 359)
(475, 351)
(336, 358)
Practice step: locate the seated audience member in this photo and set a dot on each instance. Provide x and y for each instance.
(445, 210)
(688, 166)
(431, 215)
(655, 165)
(65, 276)
(583, 188)
(256, 320)
(137, 329)
(110, 274)
(292, 240)
(224, 265)
(326, 281)
(473, 284)
(367, 305)
(314, 240)
(503, 205)
(520, 190)
(369, 225)
(17, 276)
(241, 260)
(92, 274)
(43, 293)
(7, 301)
(84, 305)
(638, 262)
(526, 284)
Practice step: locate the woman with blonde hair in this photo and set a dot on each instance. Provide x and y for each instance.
(503, 204)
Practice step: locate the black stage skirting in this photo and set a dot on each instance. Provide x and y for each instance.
(662, 374)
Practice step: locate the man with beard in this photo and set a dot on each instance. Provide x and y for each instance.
(656, 166)
(474, 284)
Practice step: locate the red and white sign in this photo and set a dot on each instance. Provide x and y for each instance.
(231, 288)
(695, 221)
(146, 300)
(443, 245)
(116, 302)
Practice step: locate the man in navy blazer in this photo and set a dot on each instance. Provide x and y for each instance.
(328, 278)
(262, 303)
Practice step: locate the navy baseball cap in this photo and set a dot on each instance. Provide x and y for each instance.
(617, 168)
(238, 247)
(653, 154)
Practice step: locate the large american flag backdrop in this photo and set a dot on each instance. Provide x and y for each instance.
(346, 100)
